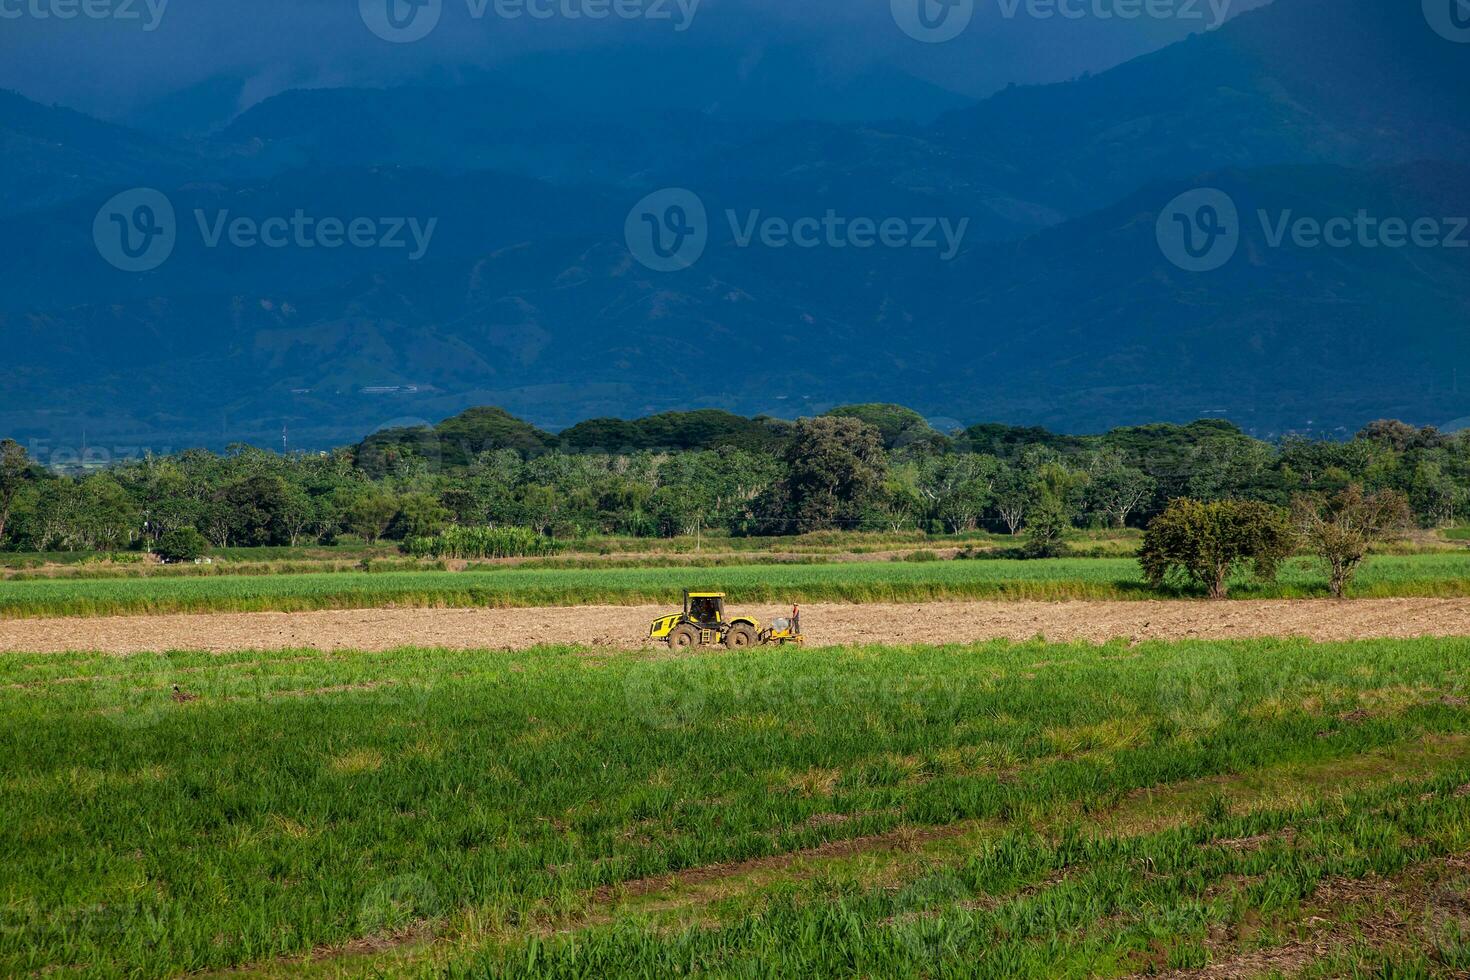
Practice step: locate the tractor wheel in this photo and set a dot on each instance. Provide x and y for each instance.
(683, 636)
(740, 636)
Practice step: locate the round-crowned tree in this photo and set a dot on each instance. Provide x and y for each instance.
(834, 468)
(181, 544)
(1204, 543)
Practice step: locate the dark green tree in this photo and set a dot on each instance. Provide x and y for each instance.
(420, 515)
(180, 545)
(1204, 543)
(370, 514)
(255, 507)
(835, 469)
(15, 469)
(899, 427)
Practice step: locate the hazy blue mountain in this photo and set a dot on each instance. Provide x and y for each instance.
(490, 124)
(1089, 320)
(1085, 326)
(1348, 82)
(755, 81)
(55, 262)
(50, 154)
(1059, 309)
(808, 168)
(1352, 82)
(198, 110)
(605, 115)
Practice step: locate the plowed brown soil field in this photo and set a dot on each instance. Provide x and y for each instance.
(626, 627)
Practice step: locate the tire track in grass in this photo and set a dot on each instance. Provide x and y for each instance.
(912, 849)
(1377, 906)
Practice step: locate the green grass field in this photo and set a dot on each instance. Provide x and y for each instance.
(997, 810)
(1066, 578)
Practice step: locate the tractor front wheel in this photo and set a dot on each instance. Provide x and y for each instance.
(683, 636)
(740, 636)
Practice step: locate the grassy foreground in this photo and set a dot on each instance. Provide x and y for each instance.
(1066, 578)
(996, 810)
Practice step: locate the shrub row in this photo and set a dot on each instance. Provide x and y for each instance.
(483, 542)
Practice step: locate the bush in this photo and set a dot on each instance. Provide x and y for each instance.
(1205, 542)
(182, 544)
(482, 542)
(1045, 532)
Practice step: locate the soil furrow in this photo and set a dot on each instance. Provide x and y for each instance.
(626, 627)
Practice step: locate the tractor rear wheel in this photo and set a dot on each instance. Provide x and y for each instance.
(740, 636)
(683, 636)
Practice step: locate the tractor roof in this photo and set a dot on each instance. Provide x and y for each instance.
(706, 595)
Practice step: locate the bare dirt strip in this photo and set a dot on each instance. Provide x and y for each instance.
(626, 627)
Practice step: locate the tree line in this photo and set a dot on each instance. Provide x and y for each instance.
(866, 467)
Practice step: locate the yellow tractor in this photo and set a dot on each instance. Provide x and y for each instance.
(703, 622)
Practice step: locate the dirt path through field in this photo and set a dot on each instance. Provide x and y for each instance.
(826, 624)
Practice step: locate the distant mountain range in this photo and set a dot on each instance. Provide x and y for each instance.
(1058, 308)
